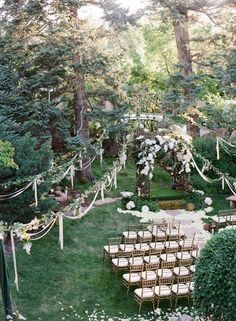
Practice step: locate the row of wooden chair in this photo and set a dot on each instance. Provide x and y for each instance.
(177, 259)
(115, 248)
(152, 233)
(164, 270)
(151, 292)
(223, 219)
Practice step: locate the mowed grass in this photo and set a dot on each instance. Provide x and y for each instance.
(54, 283)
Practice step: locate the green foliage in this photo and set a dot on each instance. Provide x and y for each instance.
(219, 111)
(139, 203)
(197, 199)
(215, 278)
(6, 155)
(226, 164)
(31, 159)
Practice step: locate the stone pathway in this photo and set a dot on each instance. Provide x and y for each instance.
(106, 201)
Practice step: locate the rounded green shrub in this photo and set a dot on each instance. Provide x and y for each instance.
(215, 278)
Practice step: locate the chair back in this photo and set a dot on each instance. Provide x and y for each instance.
(185, 262)
(148, 283)
(151, 266)
(138, 253)
(133, 268)
(154, 251)
(166, 281)
(114, 241)
(167, 265)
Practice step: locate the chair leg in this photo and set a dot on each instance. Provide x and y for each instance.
(176, 299)
(140, 306)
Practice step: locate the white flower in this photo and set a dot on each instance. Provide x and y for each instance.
(1, 236)
(145, 209)
(150, 176)
(126, 194)
(234, 185)
(141, 126)
(208, 200)
(187, 168)
(208, 209)
(130, 205)
(27, 247)
(21, 317)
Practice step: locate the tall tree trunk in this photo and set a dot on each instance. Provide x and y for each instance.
(180, 23)
(80, 112)
(80, 102)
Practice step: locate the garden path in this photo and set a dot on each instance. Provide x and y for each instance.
(190, 222)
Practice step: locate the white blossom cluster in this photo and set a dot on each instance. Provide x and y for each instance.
(179, 143)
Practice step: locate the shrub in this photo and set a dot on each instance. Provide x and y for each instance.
(215, 278)
(139, 203)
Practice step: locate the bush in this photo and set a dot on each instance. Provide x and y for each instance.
(215, 278)
(139, 203)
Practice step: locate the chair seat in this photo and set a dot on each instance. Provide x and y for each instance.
(191, 286)
(132, 277)
(164, 273)
(162, 290)
(171, 245)
(183, 256)
(183, 288)
(219, 219)
(149, 275)
(157, 232)
(231, 218)
(194, 254)
(144, 234)
(192, 268)
(130, 234)
(144, 293)
(186, 243)
(182, 271)
(157, 245)
(111, 249)
(120, 262)
(127, 247)
(138, 260)
(173, 232)
(142, 246)
(169, 257)
(153, 259)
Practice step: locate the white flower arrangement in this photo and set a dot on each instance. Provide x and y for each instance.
(27, 247)
(130, 205)
(208, 201)
(126, 194)
(145, 209)
(209, 209)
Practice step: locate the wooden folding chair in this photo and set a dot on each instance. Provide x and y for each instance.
(182, 288)
(164, 290)
(153, 256)
(188, 243)
(145, 293)
(166, 270)
(150, 272)
(131, 235)
(133, 277)
(112, 248)
(159, 232)
(137, 257)
(173, 232)
(119, 263)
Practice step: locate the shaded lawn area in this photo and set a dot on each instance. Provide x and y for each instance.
(51, 280)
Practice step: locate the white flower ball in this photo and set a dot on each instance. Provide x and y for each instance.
(145, 209)
(130, 205)
(208, 201)
(209, 209)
